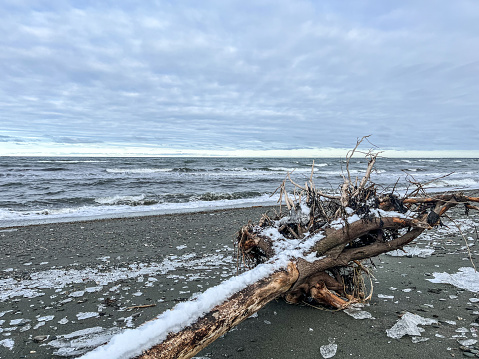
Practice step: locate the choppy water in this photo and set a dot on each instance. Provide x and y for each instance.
(36, 189)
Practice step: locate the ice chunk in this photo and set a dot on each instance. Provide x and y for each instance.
(412, 252)
(356, 312)
(329, 350)
(467, 342)
(82, 341)
(467, 278)
(86, 315)
(7, 343)
(409, 325)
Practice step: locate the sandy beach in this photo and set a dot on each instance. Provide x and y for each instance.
(66, 287)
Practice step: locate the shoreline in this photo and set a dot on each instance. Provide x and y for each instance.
(9, 224)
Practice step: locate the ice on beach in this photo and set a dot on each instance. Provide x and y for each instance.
(86, 315)
(384, 296)
(181, 247)
(466, 278)
(45, 318)
(328, 350)
(79, 293)
(7, 343)
(408, 324)
(467, 342)
(81, 341)
(412, 252)
(59, 278)
(356, 311)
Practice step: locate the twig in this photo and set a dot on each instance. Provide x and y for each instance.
(141, 306)
(465, 241)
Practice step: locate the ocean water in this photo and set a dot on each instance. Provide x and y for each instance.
(52, 189)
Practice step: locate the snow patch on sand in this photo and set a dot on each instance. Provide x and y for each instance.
(466, 278)
(7, 343)
(412, 252)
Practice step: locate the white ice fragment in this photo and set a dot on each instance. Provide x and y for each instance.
(356, 312)
(63, 321)
(86, 315)
(407, 290)
(25, 328)
(93, 289)
(267, 322)
(384, 296)
(254, 315)
(474, 300)
(416, 340)
(451, 322)
(467, 278)
(467, 342)
(181, 247)
(78, 293)
(21, 321)
(328, 350)
(412, 252)
(7, 343)
(81, 341)
(408, 324)
(45, 318)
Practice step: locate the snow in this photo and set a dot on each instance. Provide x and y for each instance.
(86, 315)
(7, 343)
(412, 252)
(409, 325)
(467, 342)
(81, 341)
(466, 278)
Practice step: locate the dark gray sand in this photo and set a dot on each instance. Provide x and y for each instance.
(58, 279)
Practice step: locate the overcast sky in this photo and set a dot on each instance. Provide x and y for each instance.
(228, 77)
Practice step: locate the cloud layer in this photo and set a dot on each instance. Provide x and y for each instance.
(216, 75)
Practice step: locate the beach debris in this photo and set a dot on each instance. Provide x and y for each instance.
(40, 338)
(466, 278)
(81, 341)
(316, 249)
(7, 343)
(328, 350)
(408, 324)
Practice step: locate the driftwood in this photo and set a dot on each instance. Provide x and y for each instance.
(325, 240)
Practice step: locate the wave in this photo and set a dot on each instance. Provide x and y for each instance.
(139, 200)
(138, 170)
(465, 183)
(10, 218)
(71, 161)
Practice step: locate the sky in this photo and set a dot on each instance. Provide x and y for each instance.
(239, 78)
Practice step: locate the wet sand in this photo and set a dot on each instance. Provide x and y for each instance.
(60, 278)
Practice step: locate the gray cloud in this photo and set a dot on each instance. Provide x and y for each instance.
(270, 75)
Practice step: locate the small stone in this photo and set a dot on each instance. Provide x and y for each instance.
(40, 338)
(469, 355)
